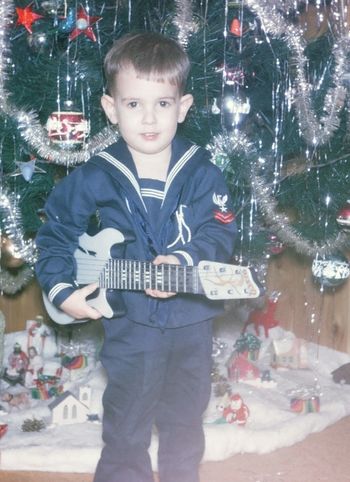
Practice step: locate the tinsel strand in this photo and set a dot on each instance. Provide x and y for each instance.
(10, 283)
(12, 220)
(315, 131)
(183, 20)
(280, 224)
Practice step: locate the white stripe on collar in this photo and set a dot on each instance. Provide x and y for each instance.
(125, 170)
(178, 166)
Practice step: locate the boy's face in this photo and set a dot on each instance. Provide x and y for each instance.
(147, 112)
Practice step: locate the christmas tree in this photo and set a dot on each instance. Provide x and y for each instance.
(270, 81)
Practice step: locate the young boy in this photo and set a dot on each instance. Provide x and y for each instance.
(165, 192)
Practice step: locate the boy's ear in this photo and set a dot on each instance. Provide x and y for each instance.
(108, 106)
(185, 104)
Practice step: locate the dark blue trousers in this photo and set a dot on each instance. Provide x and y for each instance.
(155, 379)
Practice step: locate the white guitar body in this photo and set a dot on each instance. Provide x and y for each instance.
(97, 247)
(217, 281)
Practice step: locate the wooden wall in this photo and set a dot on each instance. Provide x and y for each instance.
(317, 317)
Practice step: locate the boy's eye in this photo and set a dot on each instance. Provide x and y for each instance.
(164, 103)
(132, 104)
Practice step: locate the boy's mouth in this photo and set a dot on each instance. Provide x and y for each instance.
(149, 136)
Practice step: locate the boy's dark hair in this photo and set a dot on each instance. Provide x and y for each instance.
(152, 55)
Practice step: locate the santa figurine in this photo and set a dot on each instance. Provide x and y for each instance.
(236, 411)
(17, 367)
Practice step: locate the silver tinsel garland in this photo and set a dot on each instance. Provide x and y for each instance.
(264, 196)
(184, 21)
(25, 249)
(11, 283)
(315, 131)
(12, 221)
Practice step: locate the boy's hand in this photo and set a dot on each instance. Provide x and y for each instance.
(163, 259)
(76, 305)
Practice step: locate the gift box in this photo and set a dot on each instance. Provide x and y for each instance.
(304, 400)
(309, 405)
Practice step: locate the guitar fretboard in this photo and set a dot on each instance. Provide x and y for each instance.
(124, 274)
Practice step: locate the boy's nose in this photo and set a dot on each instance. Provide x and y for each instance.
(149, 116)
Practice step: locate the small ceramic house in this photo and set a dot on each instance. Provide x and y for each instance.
(68, 409)
(240, 368)
(289, 353)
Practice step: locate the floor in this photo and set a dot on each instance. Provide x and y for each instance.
(321, 457)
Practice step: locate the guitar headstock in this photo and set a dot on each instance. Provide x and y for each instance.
(227, 281)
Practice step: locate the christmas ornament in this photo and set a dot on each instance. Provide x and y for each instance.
(219, 347)
(274, 245)
(27, 17)
(236, 28)
(10, 258)
(27, 169)
(330, 270)
(38, 41)
(231, 75)
(215, 109)
(66, 24)
(67, 128)
(51, 6)
(83, 25)
(235, 108)
(343, 217)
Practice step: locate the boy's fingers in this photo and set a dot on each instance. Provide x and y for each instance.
(87, 290)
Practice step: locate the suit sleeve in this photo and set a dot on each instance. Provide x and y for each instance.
(68, 210)
(206, 227)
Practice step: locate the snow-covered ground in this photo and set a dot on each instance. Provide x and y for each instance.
(271, 423)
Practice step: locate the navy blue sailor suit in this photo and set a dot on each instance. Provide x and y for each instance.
(158, 355)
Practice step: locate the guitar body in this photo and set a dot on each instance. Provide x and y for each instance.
(91, 257)
(97, 264)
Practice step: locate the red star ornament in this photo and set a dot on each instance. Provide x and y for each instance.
(83, 25)
(26, 17)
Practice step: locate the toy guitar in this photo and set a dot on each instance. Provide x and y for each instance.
(95, 264)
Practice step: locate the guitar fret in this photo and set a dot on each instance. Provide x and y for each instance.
(123, 274)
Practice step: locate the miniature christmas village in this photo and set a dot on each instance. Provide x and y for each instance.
(264, 380)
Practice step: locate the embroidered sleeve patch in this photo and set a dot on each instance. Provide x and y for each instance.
(224, 218)
(222, 214)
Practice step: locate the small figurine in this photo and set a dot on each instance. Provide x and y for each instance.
(18, 364)
(236, 412)
(35, 365)
(3, 429)
(16, 400)
(264, 317)
(37, 334)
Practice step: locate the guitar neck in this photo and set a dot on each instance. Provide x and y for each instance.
(124, 274)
